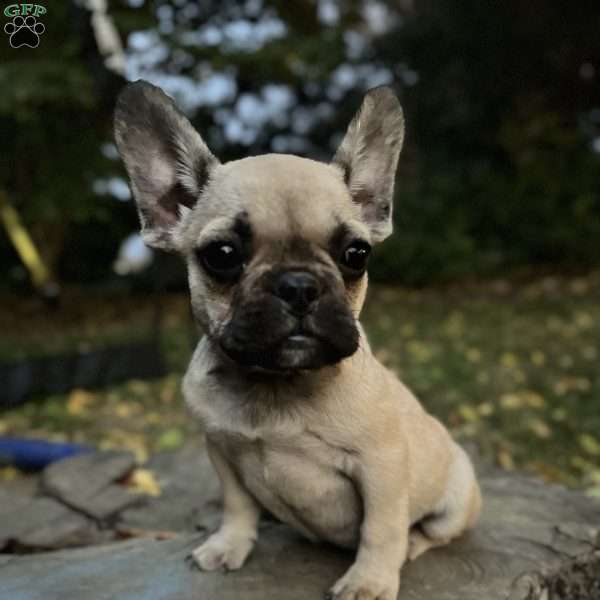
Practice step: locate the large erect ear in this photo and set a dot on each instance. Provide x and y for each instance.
(167, 161)
(368, 156)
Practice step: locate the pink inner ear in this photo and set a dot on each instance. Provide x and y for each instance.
(164, 210)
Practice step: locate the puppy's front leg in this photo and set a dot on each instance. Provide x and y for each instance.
(229, 547)
(375, 574)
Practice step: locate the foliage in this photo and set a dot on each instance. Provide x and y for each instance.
(512, 369)
(502, 104)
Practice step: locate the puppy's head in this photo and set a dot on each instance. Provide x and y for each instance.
(276, 245)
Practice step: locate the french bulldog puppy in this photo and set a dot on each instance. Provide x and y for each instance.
(300, 417)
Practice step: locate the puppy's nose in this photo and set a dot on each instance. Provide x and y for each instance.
(299, 289)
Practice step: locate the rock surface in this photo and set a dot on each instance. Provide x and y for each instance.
(37, 522)
(527, 526)
(190, 494)
(87, 482)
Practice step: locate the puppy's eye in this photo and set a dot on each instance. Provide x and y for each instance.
(222, 260)
(354, 258)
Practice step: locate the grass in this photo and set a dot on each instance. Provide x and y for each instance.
(510, 367)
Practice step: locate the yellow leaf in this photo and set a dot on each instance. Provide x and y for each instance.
(538, 358)
(511, 401)
(136, 443)
(584, 320)
(468, 413)
(505, 460)
(171, 439)
(589, 444)
(508, 360)
(581, 463)
(486, 409)
(79, 402)
(142, 481)
(138, 387)
(534, 400)
(473, 355)
(152, 418)
(593, 492)
(540, 428)
(124, 410)
(8, 473)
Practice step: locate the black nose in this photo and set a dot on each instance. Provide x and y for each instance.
(299, 289)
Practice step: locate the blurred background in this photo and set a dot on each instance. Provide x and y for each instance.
(486, 298)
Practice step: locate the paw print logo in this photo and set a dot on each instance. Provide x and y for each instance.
(24, 31)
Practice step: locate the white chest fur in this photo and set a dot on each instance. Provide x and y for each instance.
(299, 479)
(291, 470)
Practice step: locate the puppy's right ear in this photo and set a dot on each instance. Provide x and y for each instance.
(167, 161)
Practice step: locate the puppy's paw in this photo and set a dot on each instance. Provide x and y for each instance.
(365, 584)
(223, 551)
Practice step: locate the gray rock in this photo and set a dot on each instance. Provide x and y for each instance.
(190, 493)
(526, 526)
(86, 483)
(43, 523)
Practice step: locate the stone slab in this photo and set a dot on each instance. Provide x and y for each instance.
(43, 523)
(526, 526)
(190, 493)
(86, 483)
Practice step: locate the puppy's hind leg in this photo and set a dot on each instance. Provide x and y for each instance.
(229, 547)
(457, 511)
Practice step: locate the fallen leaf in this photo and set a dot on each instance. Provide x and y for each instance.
(505, 460)
(540, 428)
(511, 401)
(538, 358)
(473, 355)
(509, 360)
(79, 402)
(171, 439)
(468, 413)
(589, 444)
(486, 409)
(143, 481)
(534, 400)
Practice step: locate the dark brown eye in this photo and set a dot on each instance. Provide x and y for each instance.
(222, 260)
(354, 258)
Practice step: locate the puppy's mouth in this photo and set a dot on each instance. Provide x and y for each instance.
(303, 346)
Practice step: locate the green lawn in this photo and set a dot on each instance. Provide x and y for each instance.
(511, 368)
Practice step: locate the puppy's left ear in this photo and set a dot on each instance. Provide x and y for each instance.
(368, 156)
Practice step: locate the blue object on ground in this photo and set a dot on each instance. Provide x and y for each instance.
(36, 454)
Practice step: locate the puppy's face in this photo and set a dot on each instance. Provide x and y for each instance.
(276, 255)
(276, 246)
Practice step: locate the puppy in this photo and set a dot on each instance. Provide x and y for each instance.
(300, 417)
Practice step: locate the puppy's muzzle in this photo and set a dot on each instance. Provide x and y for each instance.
(291, 320)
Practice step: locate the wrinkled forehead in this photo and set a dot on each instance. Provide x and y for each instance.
(282, 196)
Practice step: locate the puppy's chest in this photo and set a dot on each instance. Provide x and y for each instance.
(301, 479)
